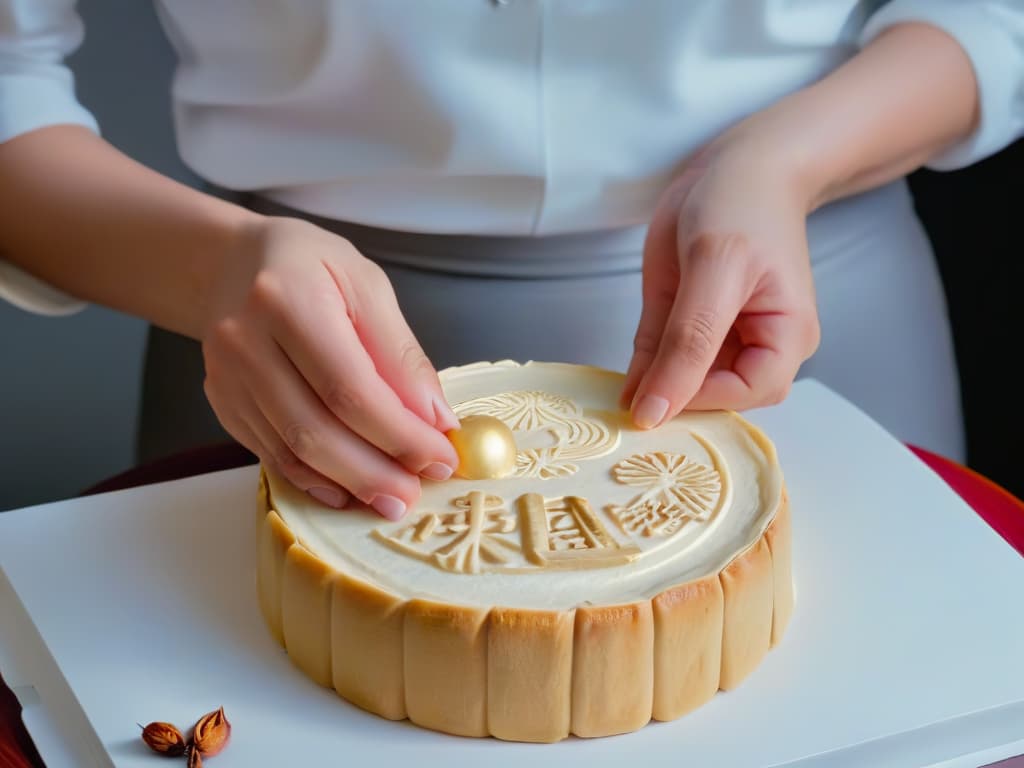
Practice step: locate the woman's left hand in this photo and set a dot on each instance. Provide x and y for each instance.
(729, 310)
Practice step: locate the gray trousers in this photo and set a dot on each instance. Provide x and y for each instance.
(886, 343)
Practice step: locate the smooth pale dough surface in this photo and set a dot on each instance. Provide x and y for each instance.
(734, 467)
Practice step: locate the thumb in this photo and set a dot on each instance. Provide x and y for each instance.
(712, 290)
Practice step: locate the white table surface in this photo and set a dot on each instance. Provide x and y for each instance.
(906, 647)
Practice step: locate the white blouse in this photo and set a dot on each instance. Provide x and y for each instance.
(513, 117)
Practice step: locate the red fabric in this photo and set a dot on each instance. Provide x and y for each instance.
(16, 748)
(994, 504)
(1002, 511)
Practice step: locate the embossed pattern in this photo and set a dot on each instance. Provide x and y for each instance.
(561, 532)
(577, 435)
(460, 541)
(565, 532)
(677, 490)
(485, 533)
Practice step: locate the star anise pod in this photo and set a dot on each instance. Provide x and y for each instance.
(211, 733)
(164, 738)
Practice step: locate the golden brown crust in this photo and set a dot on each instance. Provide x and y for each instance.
(612, 669)
(780, 543)
(306, 612)
(519, 674)
(747, 586)
(367, 647)
(687, 646)
(529, 674)
(275, 539)
(446, 667)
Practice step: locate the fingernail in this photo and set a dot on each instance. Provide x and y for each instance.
(650, 411)
(444, 417)
(388, 506)
(332, 497)
(437, 471)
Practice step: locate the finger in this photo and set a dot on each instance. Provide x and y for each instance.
(762, 373)
(660, 282)
(712, 291)
(307, 428)
(397, 355)
(281, 458)
(318, 338)
(318, 439)
(249, 427)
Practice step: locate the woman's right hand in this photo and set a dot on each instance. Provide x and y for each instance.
(311, 366)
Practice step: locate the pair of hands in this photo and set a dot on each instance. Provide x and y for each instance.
(312, 367)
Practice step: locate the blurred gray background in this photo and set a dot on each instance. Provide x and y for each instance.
(70, 389)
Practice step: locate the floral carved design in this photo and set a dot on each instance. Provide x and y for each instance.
(677, 489)
(524, 411)
(577, 435)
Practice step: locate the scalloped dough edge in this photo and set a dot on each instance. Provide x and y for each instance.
(524, 674)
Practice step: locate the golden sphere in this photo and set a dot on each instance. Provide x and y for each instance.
(486, 448)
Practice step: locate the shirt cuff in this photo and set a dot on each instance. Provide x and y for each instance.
(33, 295)
(992, 51)
(38, 99)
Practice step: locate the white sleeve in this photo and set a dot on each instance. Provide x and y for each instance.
(36, 90)
(33, 295)
(991, 32)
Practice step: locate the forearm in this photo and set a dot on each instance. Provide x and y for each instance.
(87, 219)
(904, 98)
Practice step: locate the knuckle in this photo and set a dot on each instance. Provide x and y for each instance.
(343, 399)
(300, 441)
(267, 292)
(693, 340)
(226, 332)
(645, 343)
(414, 360)
(266, 286)
(715, 245)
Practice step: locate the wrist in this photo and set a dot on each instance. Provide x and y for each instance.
(231, 259)
(771, 147)
(907, 95)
